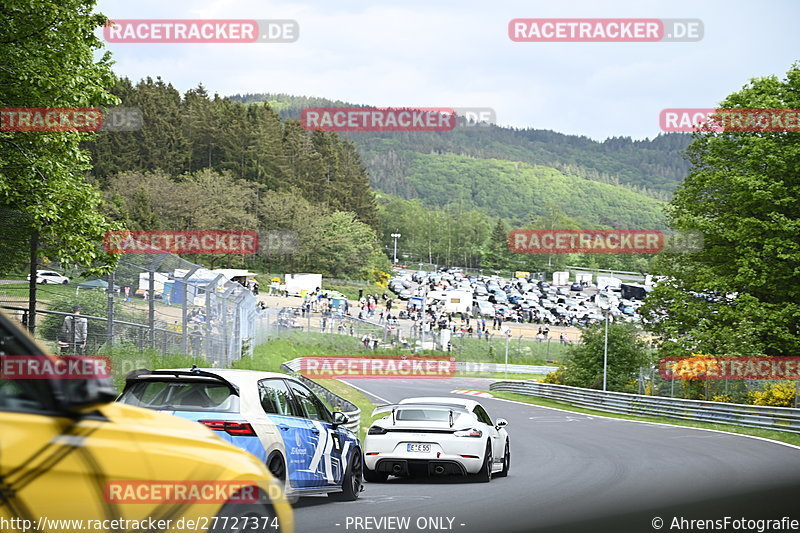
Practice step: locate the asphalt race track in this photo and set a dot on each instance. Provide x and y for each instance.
(573, 472)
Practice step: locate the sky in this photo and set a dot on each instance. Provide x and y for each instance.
(457, 53)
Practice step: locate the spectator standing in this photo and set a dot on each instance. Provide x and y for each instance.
(74, 333)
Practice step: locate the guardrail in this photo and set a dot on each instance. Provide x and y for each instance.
(347, 407)
(756, 416)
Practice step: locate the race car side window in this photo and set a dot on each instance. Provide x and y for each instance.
(482, 415)
(25, 396)
(275, 397)
(313, 409)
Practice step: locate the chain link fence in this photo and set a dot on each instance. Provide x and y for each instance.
(155, 303)
(651, 382)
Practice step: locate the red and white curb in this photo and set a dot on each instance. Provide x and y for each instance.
(478, 393)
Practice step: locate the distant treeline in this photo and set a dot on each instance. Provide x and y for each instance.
(202, 162)
(653, 167)
(207, 162)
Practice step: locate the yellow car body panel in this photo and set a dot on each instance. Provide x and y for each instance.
(60, 465)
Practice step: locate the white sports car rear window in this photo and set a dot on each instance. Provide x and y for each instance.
(418, 415)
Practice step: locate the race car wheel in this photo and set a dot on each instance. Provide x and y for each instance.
(373, 476)
(484, 475)
(506, 462)
(352, 482)
(277, 468)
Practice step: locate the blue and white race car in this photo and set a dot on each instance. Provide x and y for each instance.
(273, 416)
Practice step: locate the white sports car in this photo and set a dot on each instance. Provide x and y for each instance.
(436, 436)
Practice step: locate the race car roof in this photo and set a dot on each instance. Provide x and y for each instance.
(237, 377)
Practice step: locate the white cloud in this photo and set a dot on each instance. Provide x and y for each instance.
(457, 53)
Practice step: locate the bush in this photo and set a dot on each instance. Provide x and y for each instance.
(556, 377)
(724, 398)
(775, 395)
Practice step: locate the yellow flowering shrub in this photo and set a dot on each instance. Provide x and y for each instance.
(775, 395)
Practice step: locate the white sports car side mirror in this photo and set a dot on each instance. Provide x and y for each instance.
(501, 423)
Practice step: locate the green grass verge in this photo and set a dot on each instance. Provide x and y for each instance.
(357, 397)
(790, 438)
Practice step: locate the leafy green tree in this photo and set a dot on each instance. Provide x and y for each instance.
(627, 352)
(48, 58)
(343, 247)
(741, 294)
(497, 253)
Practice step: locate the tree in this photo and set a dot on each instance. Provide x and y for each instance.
(48, 58)
(741, 294)
(627, 352)
(497, 253)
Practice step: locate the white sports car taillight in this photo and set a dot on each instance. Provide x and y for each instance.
(477, 433)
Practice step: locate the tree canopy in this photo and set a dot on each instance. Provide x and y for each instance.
(741, 294)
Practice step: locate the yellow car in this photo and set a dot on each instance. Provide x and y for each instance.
(72, 459)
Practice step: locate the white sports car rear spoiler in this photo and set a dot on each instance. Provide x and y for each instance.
(423, 406)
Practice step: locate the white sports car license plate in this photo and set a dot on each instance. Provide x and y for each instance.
(418, 447)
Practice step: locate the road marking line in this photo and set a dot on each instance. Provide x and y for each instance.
(384, 400)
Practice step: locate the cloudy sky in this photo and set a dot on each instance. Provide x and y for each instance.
(457, 53)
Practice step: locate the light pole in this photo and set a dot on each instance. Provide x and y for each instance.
(395, 236)
(606, 311)
(508, 338)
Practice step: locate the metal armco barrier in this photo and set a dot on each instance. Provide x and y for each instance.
(756, 416)
(345, 406)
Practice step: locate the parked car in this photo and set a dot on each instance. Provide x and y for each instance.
(273, 416)
(484, 308)
(44, 277)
